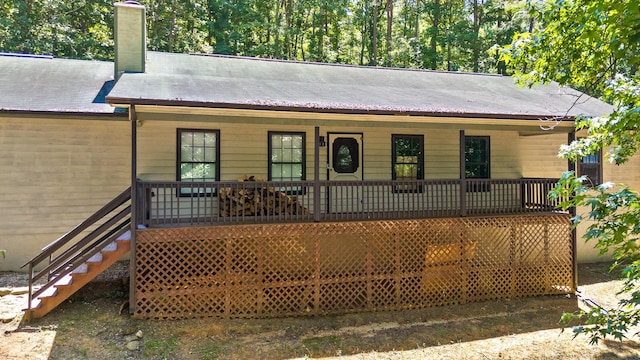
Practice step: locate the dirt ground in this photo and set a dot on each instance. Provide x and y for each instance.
(89, 326)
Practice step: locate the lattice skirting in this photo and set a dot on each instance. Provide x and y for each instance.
(270, 270)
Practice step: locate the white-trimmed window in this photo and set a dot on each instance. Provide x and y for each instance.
(286, 156)
(407, 161)
(198, 159)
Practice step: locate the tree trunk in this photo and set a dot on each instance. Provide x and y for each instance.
(417, 29)
(476, 37)
(374, 34)
(389, 30)
(435, 32)
(276, 33)
(172, 26)
(289, 25)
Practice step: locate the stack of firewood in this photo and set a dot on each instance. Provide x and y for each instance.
(258, 200)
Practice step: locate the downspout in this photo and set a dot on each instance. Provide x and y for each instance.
(133, 119)
(463, 177)
(571, 166)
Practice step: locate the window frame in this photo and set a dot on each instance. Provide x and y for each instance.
(189, 193)
(478, 187)
(420, 163)
(303, 162)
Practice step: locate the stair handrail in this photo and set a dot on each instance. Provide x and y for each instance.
(84, 248)
(64, 239)
(80, 258)
(67, 254)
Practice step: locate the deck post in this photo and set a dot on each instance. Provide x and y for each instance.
(133, 119)
(316, 175)
(463, 176)
(572, 211)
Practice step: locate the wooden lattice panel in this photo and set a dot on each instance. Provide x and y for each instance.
(270, 270)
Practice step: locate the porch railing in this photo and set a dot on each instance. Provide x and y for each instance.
(171, 203)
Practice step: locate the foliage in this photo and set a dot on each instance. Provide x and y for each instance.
(78, 29)
(594, 45)
(434, 34)
(615, 227)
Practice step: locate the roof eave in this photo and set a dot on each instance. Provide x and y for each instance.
(126, 102)
(64, 114)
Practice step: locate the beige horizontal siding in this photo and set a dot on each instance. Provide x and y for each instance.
(244, 150)
(540, 155)
(54, 174)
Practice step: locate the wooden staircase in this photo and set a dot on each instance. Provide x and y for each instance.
(65, 286)
(73, 260)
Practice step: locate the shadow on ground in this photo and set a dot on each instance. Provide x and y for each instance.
(88, 326)
(92, 324)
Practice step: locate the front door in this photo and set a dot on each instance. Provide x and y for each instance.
(345, 165)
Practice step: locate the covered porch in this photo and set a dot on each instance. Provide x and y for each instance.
(248, 246)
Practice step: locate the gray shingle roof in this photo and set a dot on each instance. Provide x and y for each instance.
(221, 81)
(54, 85)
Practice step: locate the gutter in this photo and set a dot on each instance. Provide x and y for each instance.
(318, 108)
(75, 115)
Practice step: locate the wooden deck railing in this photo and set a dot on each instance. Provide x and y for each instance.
(171, 203)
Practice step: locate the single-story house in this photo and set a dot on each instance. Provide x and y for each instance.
(244, 187)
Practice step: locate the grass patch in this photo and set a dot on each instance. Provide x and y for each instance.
(212, 350)
(164, 348)
(322, 346)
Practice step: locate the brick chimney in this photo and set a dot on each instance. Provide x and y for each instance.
(130, 34)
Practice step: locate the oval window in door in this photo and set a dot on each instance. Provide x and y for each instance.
(345, 155)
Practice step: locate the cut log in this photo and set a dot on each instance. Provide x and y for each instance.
(258, 200)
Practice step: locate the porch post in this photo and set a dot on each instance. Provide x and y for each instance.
(571, 166)
(316, 175)
(463, 177)
(133, 119)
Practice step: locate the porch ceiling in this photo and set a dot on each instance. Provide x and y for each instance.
(247, 83)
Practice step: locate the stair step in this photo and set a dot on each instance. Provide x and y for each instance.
(65, 280)
(112, 246)
(80, 269)
(95, 258)
(50, 292)
(36, 303)
(125, 236)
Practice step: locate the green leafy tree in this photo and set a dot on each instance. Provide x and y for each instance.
(435, 34)
(594, 45)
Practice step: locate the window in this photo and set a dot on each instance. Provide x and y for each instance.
(408, 159)
(286, 156)
(591, 167)
(476, 157)
(346, 156)
(198, 154)
(476, 161)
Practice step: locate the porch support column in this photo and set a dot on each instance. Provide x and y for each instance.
(133, 119)
(571, 166)
(463, 177)
(316, 175)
